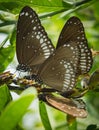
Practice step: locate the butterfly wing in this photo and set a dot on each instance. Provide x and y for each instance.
(65, 105)
(59, 70)
(32, 43)
(73, 30)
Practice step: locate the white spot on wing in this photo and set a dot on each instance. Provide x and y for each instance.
(32, 21)
(21, 13)
(78, 37)
(34, 28)
(26, 14)
(45, 47)
(41, 40)
(28, 46)
(38, 37)
(42, 45)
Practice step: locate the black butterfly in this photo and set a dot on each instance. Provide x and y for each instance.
(58, 68)
(73, 31)
(33, 46)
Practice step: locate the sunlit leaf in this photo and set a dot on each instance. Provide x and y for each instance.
(14, 112)
(5, 96)
(6, 56)
(44, 116)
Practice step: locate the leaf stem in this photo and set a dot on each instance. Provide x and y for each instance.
(6, 23)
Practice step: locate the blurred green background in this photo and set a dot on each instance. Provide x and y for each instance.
(53, 15)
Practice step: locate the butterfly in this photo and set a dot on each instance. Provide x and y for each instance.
(58, 68)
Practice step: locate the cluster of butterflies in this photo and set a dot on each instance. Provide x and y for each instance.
(57, 67)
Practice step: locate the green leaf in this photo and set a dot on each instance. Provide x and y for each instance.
(94, 80)
(13, 37)
(14, 112)
(4, 42)
(50, 5)
(92, 102)
(11, 6)
(5, 96)
(44, 116)
(6, 56)
(7, 16)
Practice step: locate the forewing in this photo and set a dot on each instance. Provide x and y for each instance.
(73, 30)
(32, 43)
(59, 70)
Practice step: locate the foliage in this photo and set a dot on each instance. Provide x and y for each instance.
(53, 15)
